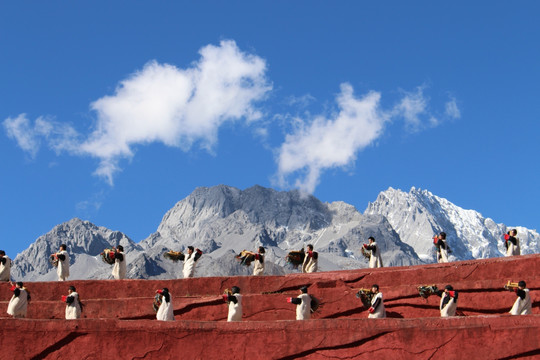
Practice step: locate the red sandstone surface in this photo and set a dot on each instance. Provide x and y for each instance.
(118, 320)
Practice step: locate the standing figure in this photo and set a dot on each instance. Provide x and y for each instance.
(74, 306)
(119, 270)
(166, 310)
(448, 303)
(5, 266)
(234, 301)
(19, 301)
(511, 242)
(375, 260)
(311, 258)
(377, 310)
(522, 305)
(258, 263)
(442, 247)
(62, 270)
(189, 262)
(303, 304)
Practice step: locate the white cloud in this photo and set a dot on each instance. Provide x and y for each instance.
(411, 107)
(162, 103)
(452, 110)
(21, 130)
(331, 142)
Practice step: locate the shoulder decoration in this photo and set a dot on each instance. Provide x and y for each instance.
(245, 258)
(365, 295)
(108, 256)
(295, 258)
(174, 255)
(426, 291)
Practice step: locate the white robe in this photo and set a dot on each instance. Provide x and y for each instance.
(375, 260)
(303, 310)
(166, 310)
(18, 305)
(513, 250)
(258, 266)
(450, 308)
(310, 264)
(73, 310)
(119, 270)
(63, 266)
(5, 269)
(522, 306)
(380, 311)
(235, 310)
(442, 254)
(189, 266)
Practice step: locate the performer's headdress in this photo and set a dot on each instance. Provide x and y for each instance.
(235, 290)
(303, 289)
(522, 284)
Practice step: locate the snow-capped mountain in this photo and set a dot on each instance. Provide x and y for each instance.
(223, 220)
(418, 215)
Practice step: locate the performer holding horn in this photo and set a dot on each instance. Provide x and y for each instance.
(441, 247)
(257, 259)
(522, 305)
(375, 260)
(60, 260)
(448, 302)
(5, 266)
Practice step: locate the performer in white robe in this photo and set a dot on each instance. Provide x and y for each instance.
(234, 302)
(258, 263)
(119, 270)
(448, 302)
(62, 270)
(73, 307)
(522, 305)
(189, 261)
(442, 247)
(5, 266)
(512, 243)
(311, 260)
(303, 304)
(18, 304)
(166, 309)
(375, 260)
(377, 309)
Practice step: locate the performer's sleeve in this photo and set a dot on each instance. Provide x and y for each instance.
(61, 257)
(296, 301)
(370, 247)
(232, 298)
(315, 255)
(198, 254)
(166, 296)
(17, 292)
(119, 256)
(70, 299)
(3, 260)
(376, 303)
(439, 293)
(521, 294)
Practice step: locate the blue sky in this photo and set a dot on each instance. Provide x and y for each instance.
(114, 111)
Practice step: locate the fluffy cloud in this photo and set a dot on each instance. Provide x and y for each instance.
(325, 143)
(178, 107)
(160, 103)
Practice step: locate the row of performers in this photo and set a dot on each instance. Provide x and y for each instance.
(308, 258)
(305, 303)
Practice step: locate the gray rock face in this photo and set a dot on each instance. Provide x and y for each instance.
(223, 220)
(418, 215)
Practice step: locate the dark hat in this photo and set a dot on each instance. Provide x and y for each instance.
(449, 287)
(304, 289)
(522, 284)
(235, 290)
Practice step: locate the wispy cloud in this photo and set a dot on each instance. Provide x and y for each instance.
(452, 110)
(325, 143)
(333, 141)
